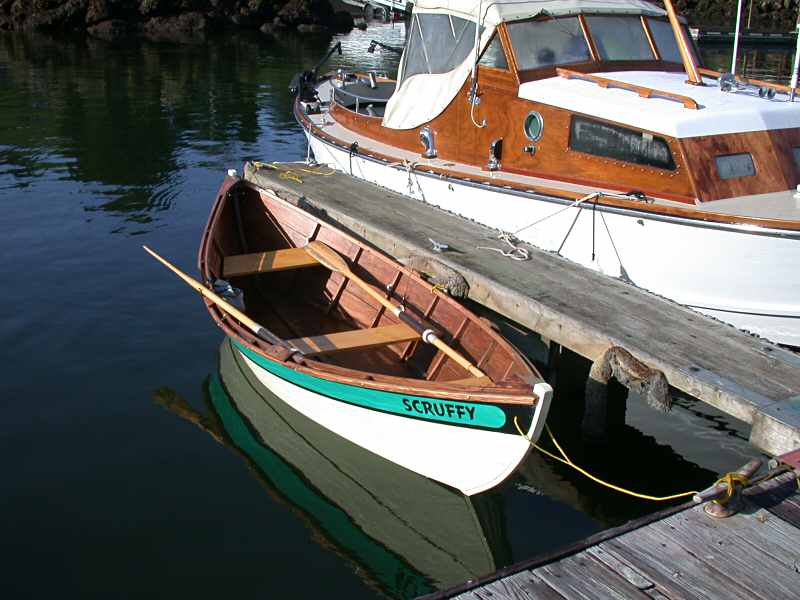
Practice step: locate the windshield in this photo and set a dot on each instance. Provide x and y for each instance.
(546, 43)
(437, 43)
(664, 39)
(620, 38)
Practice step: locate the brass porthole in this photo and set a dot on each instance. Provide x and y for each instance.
(533, 126)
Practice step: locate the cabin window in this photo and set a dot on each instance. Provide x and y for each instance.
(796, 153)
(620, 38)
(664, 38)
(620, 143)
(494, 56)
(735, 165)
(437, 43)
(546, 43)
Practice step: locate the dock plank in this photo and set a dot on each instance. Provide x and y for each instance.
(583, 577)
(744, 376)
(522, 586)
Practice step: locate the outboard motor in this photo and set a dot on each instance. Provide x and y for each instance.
(302, 86)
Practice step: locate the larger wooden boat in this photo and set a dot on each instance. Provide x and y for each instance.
(327, 348)
(589, 128)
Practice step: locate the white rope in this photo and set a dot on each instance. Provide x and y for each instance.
(517, 252)
(591, 196)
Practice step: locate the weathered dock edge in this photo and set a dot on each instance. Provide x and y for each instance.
(679, 552)
(587, 312)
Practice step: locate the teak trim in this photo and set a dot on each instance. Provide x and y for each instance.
(644, 92)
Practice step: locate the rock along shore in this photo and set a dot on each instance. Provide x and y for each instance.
(175, 20)
(180, 18)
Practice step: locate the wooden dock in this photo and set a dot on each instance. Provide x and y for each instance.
(587, 312)
(678, 553)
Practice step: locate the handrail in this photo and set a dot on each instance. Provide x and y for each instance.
(644, 92)
(756, 82)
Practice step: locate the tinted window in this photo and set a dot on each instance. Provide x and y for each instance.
(735, 165)
(546, 43)
(620, 38)
(620, 143)
(494, 56)
(664, 38)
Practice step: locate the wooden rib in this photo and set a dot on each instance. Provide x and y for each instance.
(355, 339)
(485, 380)
(335, 298)
(441, 356)
(265, 262)
(644, 92)
(489, 349)
(409, 349)
(757, 82)
(382, 308)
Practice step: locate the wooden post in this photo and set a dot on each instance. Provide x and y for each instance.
(620, 364)
(683, 46)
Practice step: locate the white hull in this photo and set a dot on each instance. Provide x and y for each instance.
(470, 460)
(743, 275)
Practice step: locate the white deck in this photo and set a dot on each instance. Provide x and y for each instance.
(721, 112)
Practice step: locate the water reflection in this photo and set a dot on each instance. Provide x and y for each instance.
(405, 534)
(756, 62)
(131, 120)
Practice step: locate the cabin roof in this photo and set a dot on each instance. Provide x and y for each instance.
(494, 12)
(720, 112)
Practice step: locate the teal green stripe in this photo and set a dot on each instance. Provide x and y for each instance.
(382, 564)
(431, 409)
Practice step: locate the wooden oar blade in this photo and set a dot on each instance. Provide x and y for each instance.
(327, 256)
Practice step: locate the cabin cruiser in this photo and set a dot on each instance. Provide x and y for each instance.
(587, 128)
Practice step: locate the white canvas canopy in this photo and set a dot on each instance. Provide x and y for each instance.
(441, 49)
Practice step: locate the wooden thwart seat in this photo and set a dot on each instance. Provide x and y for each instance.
(264, 262)
(356, 339)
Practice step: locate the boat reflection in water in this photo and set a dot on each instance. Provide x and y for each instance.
(406, 534)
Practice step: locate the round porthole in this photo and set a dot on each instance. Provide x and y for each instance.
(534, 125)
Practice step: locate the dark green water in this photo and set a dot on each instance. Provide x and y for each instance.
(105, 493)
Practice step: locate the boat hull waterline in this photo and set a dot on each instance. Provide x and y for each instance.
(740, 274)
(470, 458)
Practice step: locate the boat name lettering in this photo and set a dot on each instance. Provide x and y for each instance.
(440, 409)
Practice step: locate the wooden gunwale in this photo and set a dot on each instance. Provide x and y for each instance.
(602, 201)
(510, 393)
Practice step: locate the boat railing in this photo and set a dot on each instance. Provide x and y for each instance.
(644, 92)
(754, 82)
(359, 96)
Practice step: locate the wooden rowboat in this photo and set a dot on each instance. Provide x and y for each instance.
(330, 350)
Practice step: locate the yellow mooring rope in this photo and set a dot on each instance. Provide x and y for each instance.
(293, 173)
(566, 460)
(732, 479)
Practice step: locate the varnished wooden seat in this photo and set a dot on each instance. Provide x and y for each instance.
(356, 339)
(265, 262)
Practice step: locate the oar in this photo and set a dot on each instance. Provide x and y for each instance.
(331, 259)
(264, 334)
